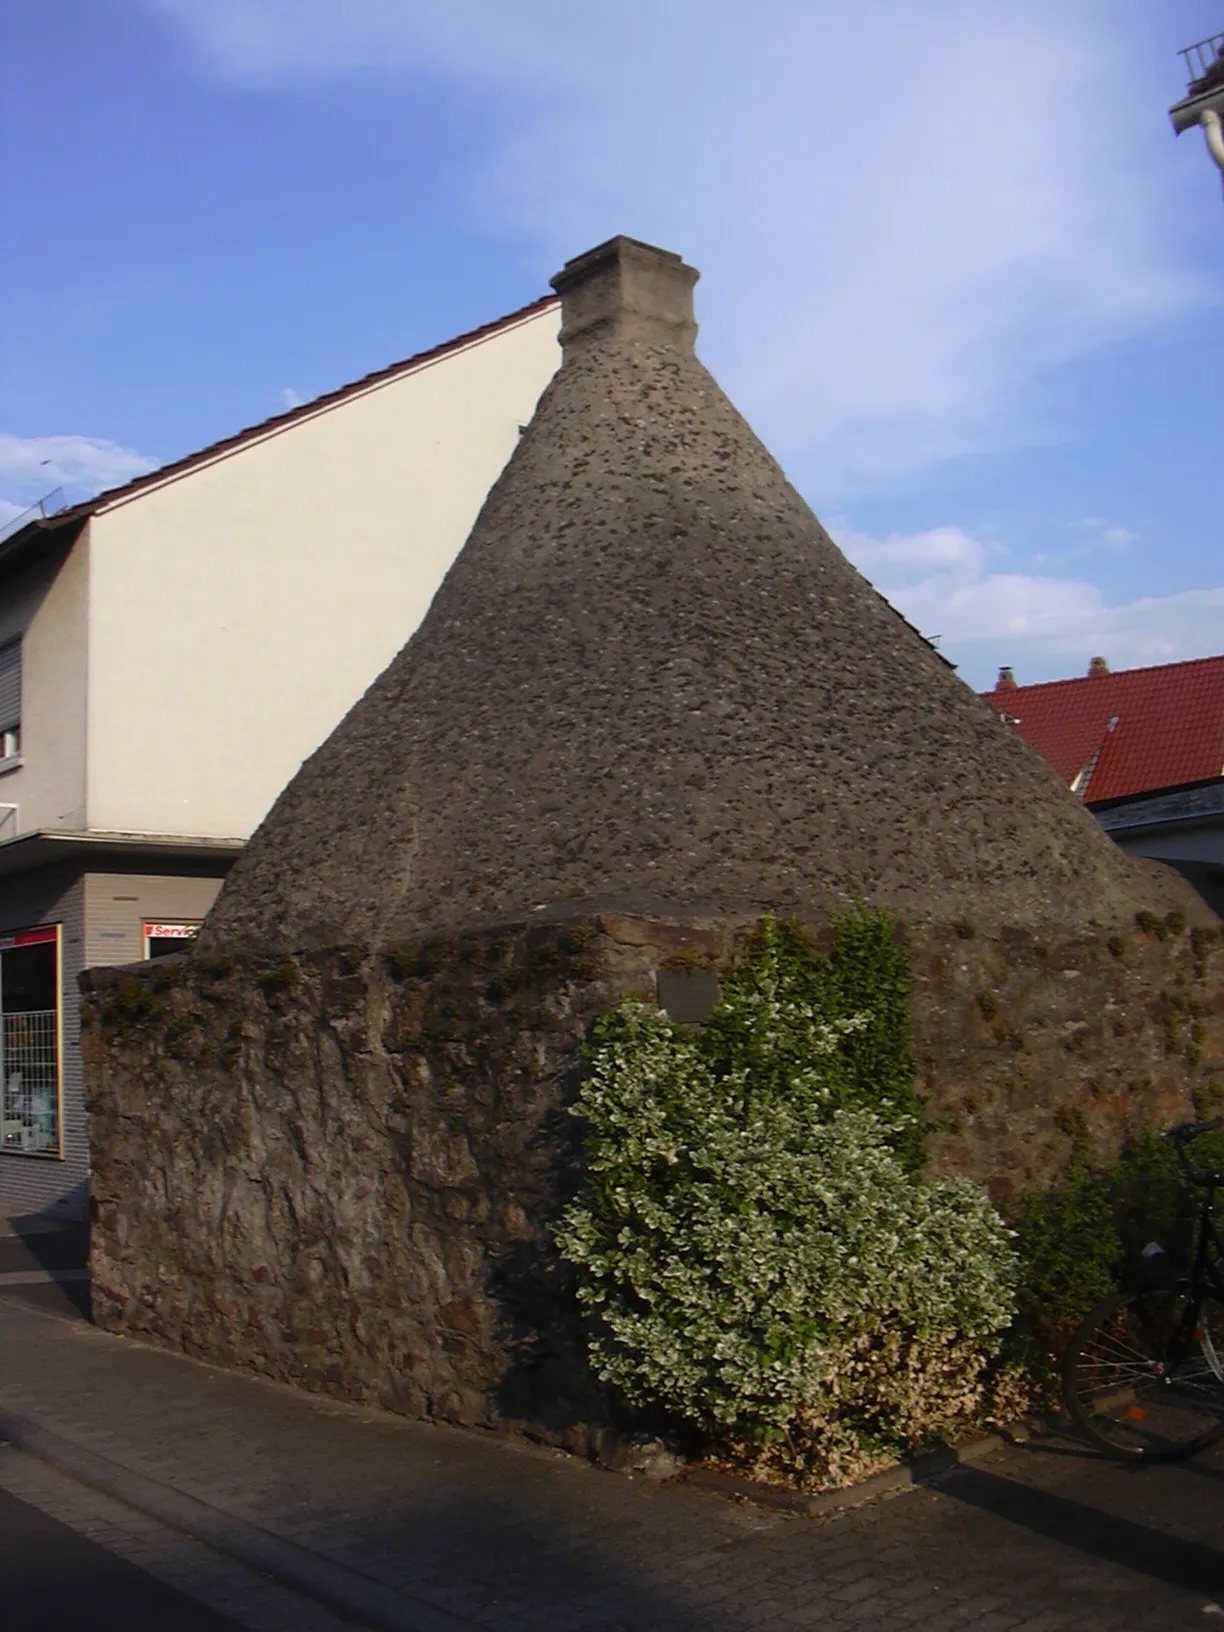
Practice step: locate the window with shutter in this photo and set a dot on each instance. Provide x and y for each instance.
(10, 700)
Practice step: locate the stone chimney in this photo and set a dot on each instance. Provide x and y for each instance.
(626, 290)
(1098, 666)
(1006, 681)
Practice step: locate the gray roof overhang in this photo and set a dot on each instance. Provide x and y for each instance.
(48, 846)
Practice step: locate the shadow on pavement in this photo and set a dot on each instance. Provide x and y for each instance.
(490, 1565)
(1073, 1450)
(1162, 1557)
(31, 1247)
(1203, 1471)
(69, 1302)
(54, 1577)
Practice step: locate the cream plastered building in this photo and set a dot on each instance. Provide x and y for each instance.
(173, 649)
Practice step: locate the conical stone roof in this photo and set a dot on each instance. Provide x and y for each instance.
(651, 681)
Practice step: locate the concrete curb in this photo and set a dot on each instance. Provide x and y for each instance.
(923, 1470)
(347, 1591)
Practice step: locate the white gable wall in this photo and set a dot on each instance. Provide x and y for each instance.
(239, 610)
(47, 605)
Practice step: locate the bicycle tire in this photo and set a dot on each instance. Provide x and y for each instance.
(1124, 1392)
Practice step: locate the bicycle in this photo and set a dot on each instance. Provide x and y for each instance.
(1143, 1376)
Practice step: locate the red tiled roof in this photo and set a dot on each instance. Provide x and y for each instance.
(1169, 726)
(302, 411)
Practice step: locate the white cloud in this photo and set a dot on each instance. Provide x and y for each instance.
(905, 212)
(1093, 534)
(945, 583)
(31, 466)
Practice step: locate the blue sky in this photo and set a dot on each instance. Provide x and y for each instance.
(956, 269)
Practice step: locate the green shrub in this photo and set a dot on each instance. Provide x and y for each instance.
(1066, 1245)
(780, 995)
(869, 977)
(1150, 924)
(283, 978)
(131, 1006)
(179, 1029)
(755, 1249)
(231, 1048)
(1084, 1238)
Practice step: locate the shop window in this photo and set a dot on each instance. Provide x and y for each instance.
(162, 939)
(29, 1042)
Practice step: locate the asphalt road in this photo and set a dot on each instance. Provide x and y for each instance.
(52, 1579)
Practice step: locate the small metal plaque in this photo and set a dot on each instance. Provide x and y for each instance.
(687, 996)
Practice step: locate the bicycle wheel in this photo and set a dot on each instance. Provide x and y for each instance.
(1141, 1383)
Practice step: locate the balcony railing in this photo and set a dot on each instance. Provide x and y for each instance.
(1201, 60)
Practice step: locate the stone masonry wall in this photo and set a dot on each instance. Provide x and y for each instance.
(338, 1169)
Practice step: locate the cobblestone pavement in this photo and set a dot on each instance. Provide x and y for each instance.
(517, 1539)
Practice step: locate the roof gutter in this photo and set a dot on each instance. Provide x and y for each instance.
(1197, 804)
(1213, 133)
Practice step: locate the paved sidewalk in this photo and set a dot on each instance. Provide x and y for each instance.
(516, 1539)
(45, 1584)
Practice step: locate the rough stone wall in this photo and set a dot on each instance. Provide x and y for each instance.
(338, 1169)
(1028, 1044)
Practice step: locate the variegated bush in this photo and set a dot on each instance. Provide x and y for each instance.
(754, 1252)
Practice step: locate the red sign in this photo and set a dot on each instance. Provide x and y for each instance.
(171, 932)
(28, 937)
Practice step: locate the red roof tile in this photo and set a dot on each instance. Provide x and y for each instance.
(1168, 726)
